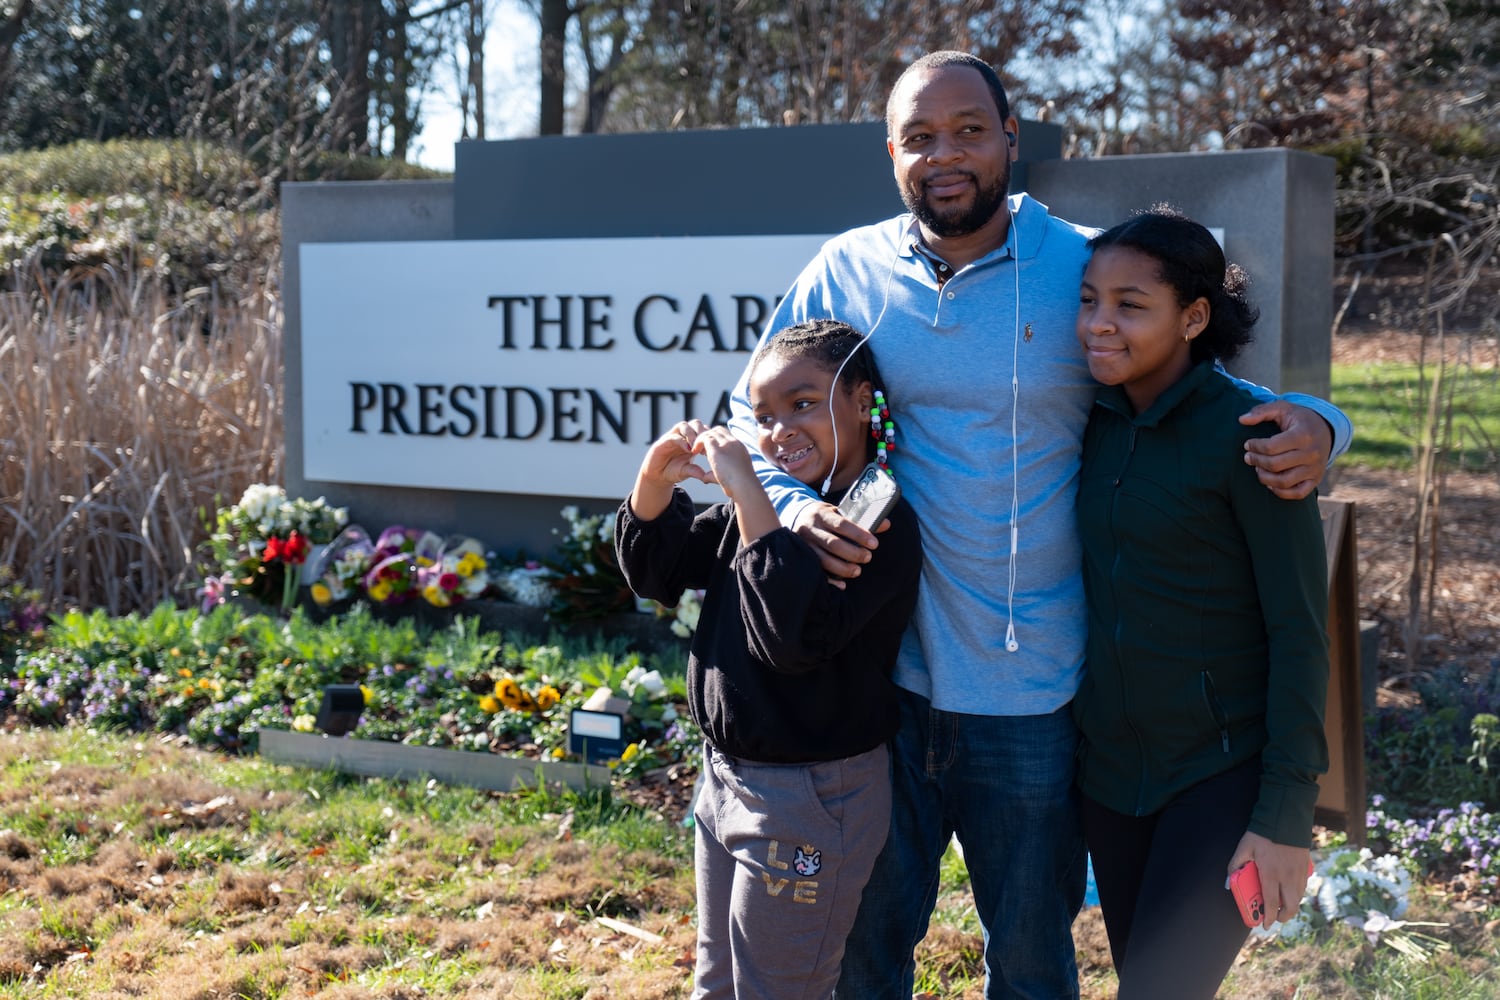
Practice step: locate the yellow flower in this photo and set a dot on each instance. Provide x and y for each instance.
(630, 752)
(380, 590)
(184, 672)
(489, 704)
(365, 691)
(321, 594)
(547, 697)
(528, 703)
(304, 723)
(509, 692)
(558, 753)
(205, 683)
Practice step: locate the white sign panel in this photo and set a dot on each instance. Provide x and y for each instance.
(525, 366)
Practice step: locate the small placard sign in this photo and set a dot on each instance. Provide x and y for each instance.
(598, 736)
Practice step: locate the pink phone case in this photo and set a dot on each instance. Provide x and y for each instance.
(1244, 883)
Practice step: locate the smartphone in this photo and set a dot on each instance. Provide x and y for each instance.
(1244, 884)
(870, 499)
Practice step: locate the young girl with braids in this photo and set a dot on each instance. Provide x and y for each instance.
(788, 675)
(1201, 707)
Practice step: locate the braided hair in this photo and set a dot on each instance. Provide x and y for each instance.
(836, 347)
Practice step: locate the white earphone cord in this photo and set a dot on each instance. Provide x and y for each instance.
(885, 301)
(1012, 644)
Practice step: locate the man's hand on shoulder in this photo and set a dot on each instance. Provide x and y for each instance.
(1291, 463)
(842, 546)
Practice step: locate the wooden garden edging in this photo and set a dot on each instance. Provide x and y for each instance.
(380, 759)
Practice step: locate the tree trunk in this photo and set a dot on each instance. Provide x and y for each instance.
(349, 27)
(476, 29)
(10, 31)
(555, 14)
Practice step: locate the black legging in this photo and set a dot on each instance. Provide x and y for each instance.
(1173, 928)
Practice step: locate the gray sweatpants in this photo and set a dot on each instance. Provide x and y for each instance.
(783, 852)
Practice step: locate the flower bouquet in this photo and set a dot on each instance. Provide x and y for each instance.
(527, 584)
(262, 542)
(587, 581)
(460, 571)
(1368, 893)
(399, 554)
(339, 571)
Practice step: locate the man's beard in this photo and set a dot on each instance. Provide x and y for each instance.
(959, 222)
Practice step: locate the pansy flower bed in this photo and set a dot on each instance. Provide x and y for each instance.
(218, 678)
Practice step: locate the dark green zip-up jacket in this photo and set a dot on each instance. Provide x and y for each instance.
(1207, 602)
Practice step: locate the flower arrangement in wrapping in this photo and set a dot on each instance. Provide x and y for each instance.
(400, 553)
(460, 571)
(527, 584)
(1368, 893)
(339, 573)
(587, 581)
(262, 542)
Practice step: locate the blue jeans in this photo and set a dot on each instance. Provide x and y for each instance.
(1004, 785)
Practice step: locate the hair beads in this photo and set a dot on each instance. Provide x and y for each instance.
(883, 430)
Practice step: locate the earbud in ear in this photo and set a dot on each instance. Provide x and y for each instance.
(1011, 138)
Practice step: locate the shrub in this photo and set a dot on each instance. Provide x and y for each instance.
(1445, 750)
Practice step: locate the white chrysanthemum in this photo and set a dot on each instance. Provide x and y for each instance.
(1329, 896)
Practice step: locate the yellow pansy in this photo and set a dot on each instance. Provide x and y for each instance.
(547, 697)
(489, 704)
(321, 594)
(509, 692)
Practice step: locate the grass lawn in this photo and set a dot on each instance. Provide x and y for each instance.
(1387, 403)
(134, 867)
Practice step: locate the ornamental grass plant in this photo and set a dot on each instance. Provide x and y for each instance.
(133, 414)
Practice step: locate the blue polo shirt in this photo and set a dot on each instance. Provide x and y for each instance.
(991, 394)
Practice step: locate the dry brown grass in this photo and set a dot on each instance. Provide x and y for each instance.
(472, 903)
(128, 413)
